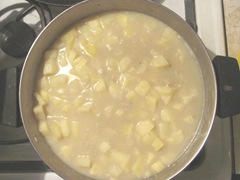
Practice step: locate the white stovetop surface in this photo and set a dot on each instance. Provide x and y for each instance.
(30, 176)
(209, 22)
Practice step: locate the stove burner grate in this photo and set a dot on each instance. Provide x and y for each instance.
(16, 38)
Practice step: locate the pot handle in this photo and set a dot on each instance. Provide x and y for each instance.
(228, 85)
(9, 108)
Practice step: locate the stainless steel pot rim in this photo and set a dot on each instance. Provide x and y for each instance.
(85, 9)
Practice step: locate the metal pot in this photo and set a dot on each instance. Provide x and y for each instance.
(89, 8)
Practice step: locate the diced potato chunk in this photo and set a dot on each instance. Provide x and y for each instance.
(95, 26)
(131, 70)
(82, 72)
(168, 34)
(111, 64)
(110, 40)
(104, 147)
(166, 98)
(39, 113)
(50, 67)
(40, 100)
(165, 115)
(64, 125)
(79, 62)
(43, 128)
(131, 95)
(122, 19)
(58, 81)
(69, 44)
(96, 169)
(169, 140)
(157, 144)
(115, 171)
(61, 59)
(66, 151)
(44, 95)
(159, 61)
(142, 66)
(150, 157)
(164, 129)
(69, 35)
(43, 83)
(152, 102)
(162, 42)
(75, 128)
(165, 89)
(153, 93)
(51, 54)
(177, 136)
(127, 129)
(124, 64)
(119, 112)
(83, 161)
(115, 91)
(86, 107)
(75, 85)
(124, 80)
(158, 166)
(166, 93)
(138, 167)
(168, 158)
(72, 54)
(88, 47)
(128, 31)
(149, 138)
(121, 158)
(99, 86)
(56, 101)
(87, 33)
(79, 101)
(142, 88)
(147, 173)
(55, 129)
(144, 127)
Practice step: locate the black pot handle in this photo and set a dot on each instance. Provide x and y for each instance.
(228, 85)
(9, 109)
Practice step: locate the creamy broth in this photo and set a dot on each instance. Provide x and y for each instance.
(119, 96)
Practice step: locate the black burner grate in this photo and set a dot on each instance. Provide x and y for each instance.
(13, 27)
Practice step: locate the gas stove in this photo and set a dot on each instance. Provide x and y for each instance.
(18, 159)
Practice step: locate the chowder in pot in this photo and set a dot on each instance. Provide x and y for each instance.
(119, 95)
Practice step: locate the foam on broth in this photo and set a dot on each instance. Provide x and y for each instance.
(119, 96)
